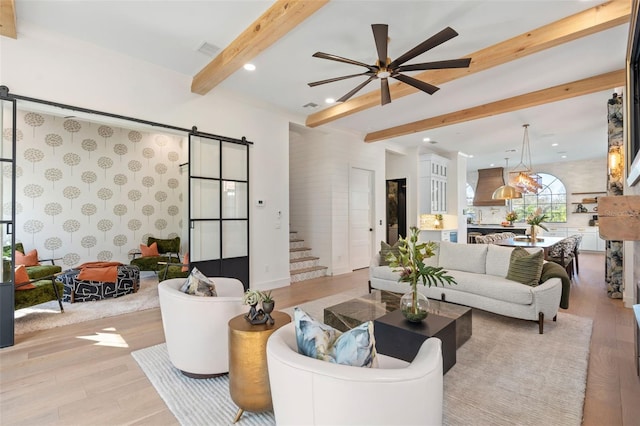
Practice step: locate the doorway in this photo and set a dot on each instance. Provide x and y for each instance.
(360, 217)
(396, 210)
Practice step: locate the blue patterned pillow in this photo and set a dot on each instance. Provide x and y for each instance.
(199, 285)
(356, 347)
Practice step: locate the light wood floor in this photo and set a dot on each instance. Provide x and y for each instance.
(57, 377)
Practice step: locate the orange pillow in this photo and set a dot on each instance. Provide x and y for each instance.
(108, 274)
(185, 261)
(151, 250)
(28, 259)
(22, 277)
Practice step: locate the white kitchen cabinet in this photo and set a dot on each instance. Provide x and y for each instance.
(437, 235)
(433, 184)
(600, 242)
(555, 231)
(589, 237)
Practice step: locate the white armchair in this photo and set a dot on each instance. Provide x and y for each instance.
(307, 391)
(196, 328)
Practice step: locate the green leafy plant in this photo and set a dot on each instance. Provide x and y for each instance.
(537, 218)
(410, 263)
(266, 296)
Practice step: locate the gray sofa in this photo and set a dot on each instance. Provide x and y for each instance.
(480, 271)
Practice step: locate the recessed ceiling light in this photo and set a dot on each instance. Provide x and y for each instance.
(491, 165)
(564, 156)
(426, 139)
(330, 100)
(249, 67)
(554, 144)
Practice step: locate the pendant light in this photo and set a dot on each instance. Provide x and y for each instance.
(506, 192)
(522, 175)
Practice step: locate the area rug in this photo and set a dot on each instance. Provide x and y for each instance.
(506, 374)
(48, 315)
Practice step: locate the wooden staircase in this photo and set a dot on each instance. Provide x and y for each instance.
(302, 265)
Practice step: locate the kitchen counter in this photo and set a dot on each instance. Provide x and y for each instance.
(490, 228)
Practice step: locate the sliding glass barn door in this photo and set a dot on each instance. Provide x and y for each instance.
(219, 207)
(7, 217)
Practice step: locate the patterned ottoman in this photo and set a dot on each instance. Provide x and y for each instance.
(75, 290)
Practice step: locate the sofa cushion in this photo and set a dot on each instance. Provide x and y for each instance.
(525, 267)
(355, 347)
(150, 250)
(22, 277)
(28, 259)
(490, 286)
(385, 249)
(170, 245)
(198, 284)
(463, 257)
(498, 258)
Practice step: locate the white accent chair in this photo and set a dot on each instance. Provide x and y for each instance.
(196, 328)
(307, 391)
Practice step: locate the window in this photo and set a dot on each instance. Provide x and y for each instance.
(552, 199)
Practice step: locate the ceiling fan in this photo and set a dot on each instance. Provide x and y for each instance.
(385, 67)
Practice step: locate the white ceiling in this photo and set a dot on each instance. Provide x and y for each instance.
(168, 33)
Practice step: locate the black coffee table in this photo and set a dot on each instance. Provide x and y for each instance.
(399, 338)
(346, 315)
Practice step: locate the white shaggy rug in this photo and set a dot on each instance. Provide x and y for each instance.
(506, 374)
(48, 315)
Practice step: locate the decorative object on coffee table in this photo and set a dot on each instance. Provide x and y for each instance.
(409, 261)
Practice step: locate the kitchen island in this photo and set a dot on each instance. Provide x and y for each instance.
(492, 229)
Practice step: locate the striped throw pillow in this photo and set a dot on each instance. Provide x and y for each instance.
(525, 267)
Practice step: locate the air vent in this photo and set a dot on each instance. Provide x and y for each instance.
(310, 105)
(208, 49)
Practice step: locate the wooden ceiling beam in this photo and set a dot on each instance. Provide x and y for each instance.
(277, 21)
(557, 93)
(8, 19)
(590, 21)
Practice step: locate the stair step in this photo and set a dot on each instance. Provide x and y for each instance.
(304, 259)
(308, 273)
(295, 240)
(303, 262)
(296, 244)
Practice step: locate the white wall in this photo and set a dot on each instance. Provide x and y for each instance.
(46, 66)
(321, 160)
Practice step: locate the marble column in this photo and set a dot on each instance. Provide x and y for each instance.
(614, 253)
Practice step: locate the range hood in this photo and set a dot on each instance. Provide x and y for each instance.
(488, 181)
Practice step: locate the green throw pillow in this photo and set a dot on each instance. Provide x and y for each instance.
(525, 267)
(385, 249)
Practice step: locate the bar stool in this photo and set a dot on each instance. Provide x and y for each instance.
(471, 237)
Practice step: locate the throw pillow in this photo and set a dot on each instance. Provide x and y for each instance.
(185, 262)
(385, 249)
(151, 250)
(105, 274)
(198, 284)
(22, 277)
(28, 259)
(525, 267)
(356, 347)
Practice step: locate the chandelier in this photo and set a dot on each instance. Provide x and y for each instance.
(522, 176)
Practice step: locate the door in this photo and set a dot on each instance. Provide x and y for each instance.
(396, 210)
(7, 218)
(219, 207)
(360, 217)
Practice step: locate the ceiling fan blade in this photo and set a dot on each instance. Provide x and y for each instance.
(436, 40)
(384, 89)
(336, 58)
(418, 84)
(380, 35)
(356, 89)
(453, 63)
(344, 77)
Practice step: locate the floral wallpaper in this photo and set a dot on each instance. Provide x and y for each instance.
(87, 191)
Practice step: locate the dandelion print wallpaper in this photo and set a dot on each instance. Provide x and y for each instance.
(87, 191)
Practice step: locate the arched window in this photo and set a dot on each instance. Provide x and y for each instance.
(552, 199)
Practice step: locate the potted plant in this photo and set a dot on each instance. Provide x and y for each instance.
(511, 217)
(535, 220)
(267, 302)
(409, 261)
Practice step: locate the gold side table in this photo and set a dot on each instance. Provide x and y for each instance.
(248, 374)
